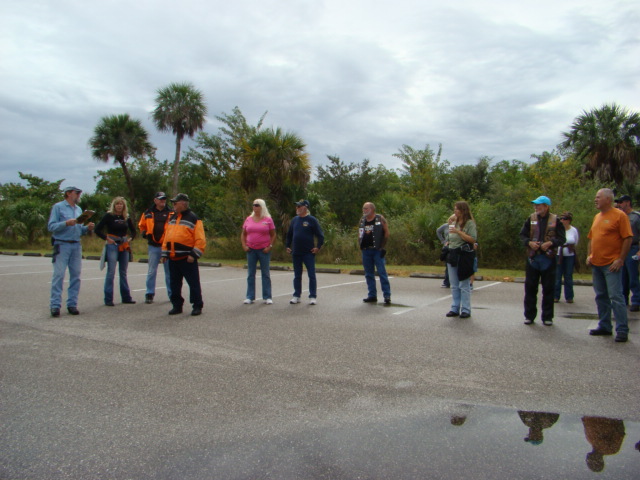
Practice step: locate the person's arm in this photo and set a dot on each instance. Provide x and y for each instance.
(55, 224)
(142, 226)
(101, 225)
(525, 235)
(132, 229)
(199, 244)
(289, 236)
(559, 240)
(588, 253)
(272, 239)
(164, 253)
(440, 233)
(320, 236)
(243, 239)
(618, 263)
(385, 231)
(243, 236)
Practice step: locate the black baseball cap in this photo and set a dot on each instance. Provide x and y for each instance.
(623, 198)
(179, 197)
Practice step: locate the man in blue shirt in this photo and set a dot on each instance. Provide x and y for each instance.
(67, 249)
(301, 243)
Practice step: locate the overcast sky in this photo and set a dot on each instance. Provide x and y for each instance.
(354, 78)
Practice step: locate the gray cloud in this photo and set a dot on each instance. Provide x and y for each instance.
(356, 79)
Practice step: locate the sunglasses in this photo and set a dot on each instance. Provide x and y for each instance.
(257, 205)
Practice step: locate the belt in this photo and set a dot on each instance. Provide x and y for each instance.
(635, 243)
(66, 241)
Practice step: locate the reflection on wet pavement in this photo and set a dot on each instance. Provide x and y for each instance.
(457, 442)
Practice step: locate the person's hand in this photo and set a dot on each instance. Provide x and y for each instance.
(163, 259)
(534, 245)
(71, 222)
(245, 248)
(315, 250)
(588, 262)
(267, 249)
(111, 241)
(546, 246)
(190, 259)
(91, 226)
(288, 250)
(616, 265)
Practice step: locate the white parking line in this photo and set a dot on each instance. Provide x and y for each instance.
(405, 310)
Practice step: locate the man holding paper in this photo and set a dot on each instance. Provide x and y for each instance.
(66, 230)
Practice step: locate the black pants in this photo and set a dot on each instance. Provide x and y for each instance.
(533, 278)
(179, 269)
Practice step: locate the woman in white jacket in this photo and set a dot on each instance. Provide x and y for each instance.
(566, 259)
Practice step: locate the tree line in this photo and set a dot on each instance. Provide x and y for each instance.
(227, 169)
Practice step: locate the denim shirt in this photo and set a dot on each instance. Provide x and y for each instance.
(60, 213)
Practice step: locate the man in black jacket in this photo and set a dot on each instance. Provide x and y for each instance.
(152, 225)
(542, 233)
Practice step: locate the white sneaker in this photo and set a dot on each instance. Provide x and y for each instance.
(268, 301)
(247, 301)
(312, 301)
(294, 300)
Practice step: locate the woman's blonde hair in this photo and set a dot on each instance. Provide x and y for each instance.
(125, 211)
(263, 209)
(465, 213)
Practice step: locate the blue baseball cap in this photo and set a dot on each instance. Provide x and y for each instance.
(542, 200)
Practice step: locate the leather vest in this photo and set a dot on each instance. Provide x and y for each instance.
(378, 232)
(549, 234)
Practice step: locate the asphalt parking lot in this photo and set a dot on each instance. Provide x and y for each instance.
(340, 389)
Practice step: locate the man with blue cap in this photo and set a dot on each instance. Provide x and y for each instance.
(542, 234)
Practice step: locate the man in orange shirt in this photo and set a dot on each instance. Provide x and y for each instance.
(609, 242)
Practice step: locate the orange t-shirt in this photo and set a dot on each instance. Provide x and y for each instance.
(607, 233)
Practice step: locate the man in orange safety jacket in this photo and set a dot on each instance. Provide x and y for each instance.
(184, 243)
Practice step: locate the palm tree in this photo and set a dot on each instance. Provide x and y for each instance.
(277, 160)
(607, 141)
(180, 108)
(120, 137)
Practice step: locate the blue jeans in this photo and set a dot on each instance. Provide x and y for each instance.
(253, 257)
(630, 282)
(608, 288)
(69, 256)
(309, 261)
(115, 257)
(372, 261)
(565, 269)
(154, 260)
(460, 291)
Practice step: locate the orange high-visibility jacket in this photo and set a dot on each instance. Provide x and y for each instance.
(184, 236)
(147, 225)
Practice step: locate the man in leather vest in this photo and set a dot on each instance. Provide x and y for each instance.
(542, 233)
(373, 234)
